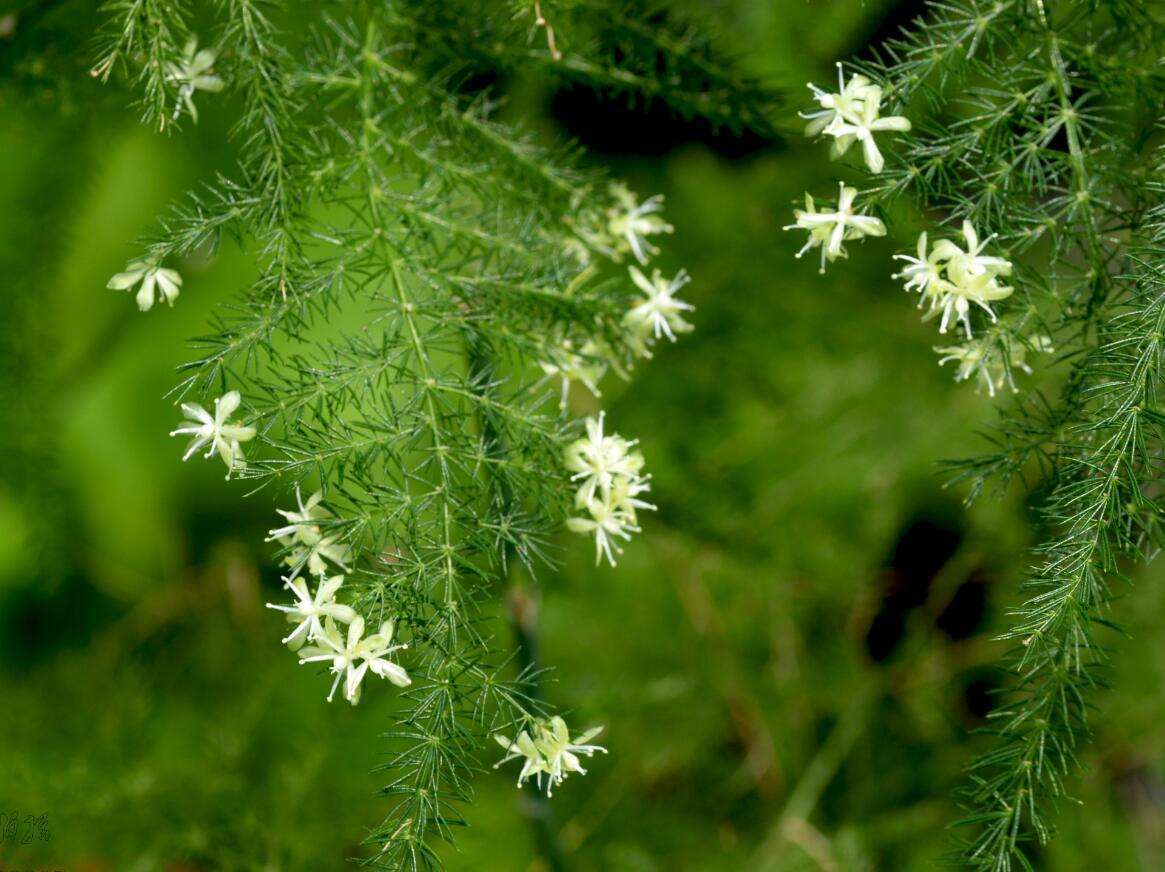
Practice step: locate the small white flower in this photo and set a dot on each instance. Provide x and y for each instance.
(308, 611)
(846, 102)
(922, 273)
(971, 278)
(610, 519)
(534, 765)
(861, 125)
(576, 250)
(216, 431)
(167, 282)
(970, 262)
(598, 459)
(586, 366)
(561, 751)
(625, 491)
(951, 279)
(830, 229)
(634, 222)
(659, 313)
(550, 752)
(353, 657)
(978, 358)
(304, 536)
(193, 73)
(972, 358)
(956, 299)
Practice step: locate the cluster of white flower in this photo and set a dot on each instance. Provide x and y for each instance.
(655, 312)
(548, 751)
(610, 481)
(853, 114)
(992, 366)
(216, 431)
(317, 616)
(606, 467)
(949, 279)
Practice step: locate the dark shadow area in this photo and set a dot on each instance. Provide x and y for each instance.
(979, 691)
(921, 551)
(612, 126)
(963, 614)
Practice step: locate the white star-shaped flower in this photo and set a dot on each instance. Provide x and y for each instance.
(830, 229)
(952, 279)
(550, 752)
(970, 261)
(586, 366)
(522, 747)
(986, 361)
(598, 458)
(923, 273)
(561, 752)
(634, 221)
(957, 297)
(166, 282)
(195, 72)
(354, 656)
(659, 312)
(308, 611)
(304, 536)
(609, 519)
(861, 125)
(846, 102)
(216, 431)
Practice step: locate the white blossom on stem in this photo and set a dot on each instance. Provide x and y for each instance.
(957, 298)
(167, 283)
(659, 312)
(561, 752)
(216, 431)
(953, 279)
(598, 458)
(353, 656)
(633, 221)
(195, 72)
(830, 230)
(308, 611)
(608, 521)
(847, 102)
(304, 536)
(548, 750)
(860, 125)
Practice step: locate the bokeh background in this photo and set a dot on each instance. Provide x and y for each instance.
(792, 660)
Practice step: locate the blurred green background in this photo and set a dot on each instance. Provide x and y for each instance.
(791, 660)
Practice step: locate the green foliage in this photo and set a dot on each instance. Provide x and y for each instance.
(405, 264)
(415, 263)
(1039, 121)
(632, 50)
